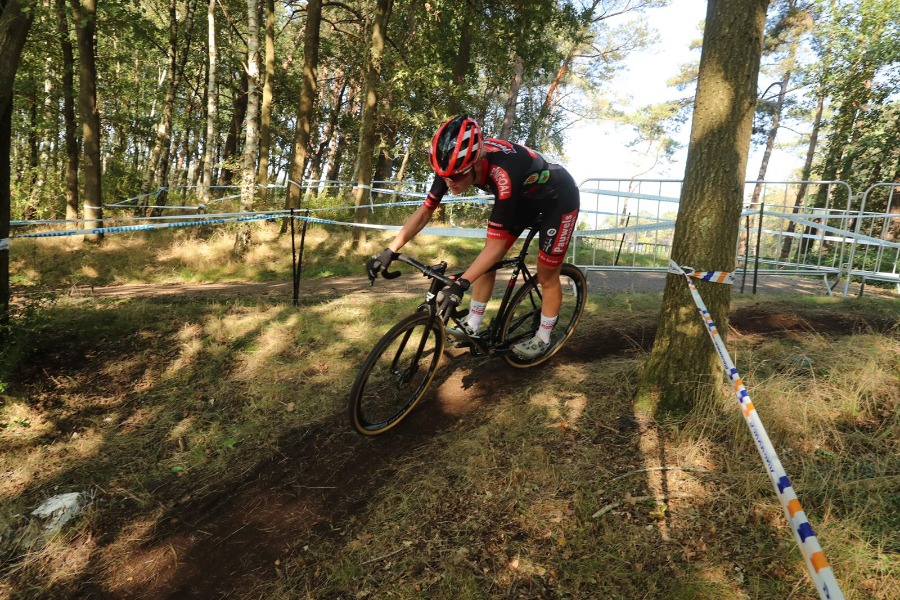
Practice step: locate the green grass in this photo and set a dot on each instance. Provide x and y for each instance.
(549, 485)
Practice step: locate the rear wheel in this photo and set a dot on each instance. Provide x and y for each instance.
(396, 374)
(524, 316)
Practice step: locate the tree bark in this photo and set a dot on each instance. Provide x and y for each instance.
(308, 86)
(806, 173)
(401, 172)
(251, 142)
(14, 25)
(328, 141)
(509, 113)
(463, 58)
(683, 367)
(164, 128)
(238, 113)
(363, 190)
(770, 138)
(85, 13)
(211, 104)
(265, 121)
(68, 92)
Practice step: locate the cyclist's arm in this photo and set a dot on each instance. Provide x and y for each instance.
(413, 226)
(494, 250)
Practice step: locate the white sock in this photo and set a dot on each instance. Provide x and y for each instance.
(476, 315)
(546, 327)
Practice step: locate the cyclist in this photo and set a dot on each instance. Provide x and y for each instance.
(524, 184)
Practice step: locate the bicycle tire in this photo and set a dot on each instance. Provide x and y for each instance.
(389, 385)
(524, 315)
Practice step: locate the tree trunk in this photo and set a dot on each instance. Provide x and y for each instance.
(68, 92)
(770, 139)
(211, 104)
(85, 13)
(362, 191)
(238, 113)
(14, 25)
(384, 165)
(251, 142)
(463, 57)
(164, 129)
(764, 163)
(540, 129)
(160, 159)
(336, 157)
(265, 122)
(509, 114)
(401, 172)
(683, 366)
(328, 141)
(806, 173)
(307, 99)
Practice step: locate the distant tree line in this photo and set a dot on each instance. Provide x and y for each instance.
(118, 98)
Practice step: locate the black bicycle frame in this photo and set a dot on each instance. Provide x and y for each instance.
(439, 281)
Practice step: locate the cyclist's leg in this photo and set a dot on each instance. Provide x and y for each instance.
(557, 227)
(483, 286)
(551, 290)
(482, 289)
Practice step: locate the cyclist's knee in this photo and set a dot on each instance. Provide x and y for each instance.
(548, 275)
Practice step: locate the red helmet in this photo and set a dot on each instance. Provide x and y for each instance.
(455, 146)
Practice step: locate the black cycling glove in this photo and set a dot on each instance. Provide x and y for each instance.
(379, 264)
(452, 297)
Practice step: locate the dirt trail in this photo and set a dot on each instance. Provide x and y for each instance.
(601, 282)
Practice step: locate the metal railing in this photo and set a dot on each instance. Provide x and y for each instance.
(806, 228)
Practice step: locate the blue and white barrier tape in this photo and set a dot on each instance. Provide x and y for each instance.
(819, 569)
(147, 227)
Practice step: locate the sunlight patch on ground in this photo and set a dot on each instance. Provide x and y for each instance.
(65, 561)
(20, 423)
(35, 465)
(563, 409)
(190, 345)
(272, 341)
(89, 272)
(240, 322)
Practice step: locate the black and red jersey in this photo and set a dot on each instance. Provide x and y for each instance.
(523, 184)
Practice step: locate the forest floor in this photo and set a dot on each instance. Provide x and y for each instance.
(235, 538)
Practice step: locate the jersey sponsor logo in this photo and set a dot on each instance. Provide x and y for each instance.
(507, 238)
(566, 227)
(545, 176)
(551, 232)
(531, 179)
(503, 184)
(548, 260)
(495, 145)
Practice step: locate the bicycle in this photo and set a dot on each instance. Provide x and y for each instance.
(400, 368)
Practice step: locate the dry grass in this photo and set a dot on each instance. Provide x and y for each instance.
(558, 490)
(204, 255)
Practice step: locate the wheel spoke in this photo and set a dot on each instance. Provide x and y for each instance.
(396, 374)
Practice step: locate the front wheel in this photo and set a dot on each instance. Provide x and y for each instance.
(524, 315)
(396, 374)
